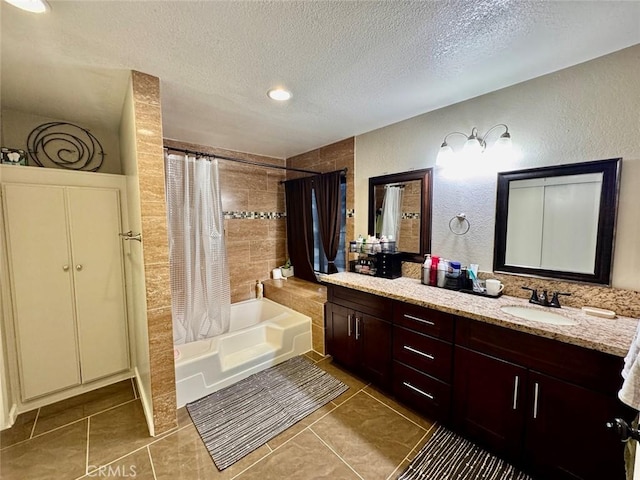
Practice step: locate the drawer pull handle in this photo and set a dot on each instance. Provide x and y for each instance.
(430, 357)
(428, 395)
(421, 320)
(515, 393)
(535, 400)
(349, 325)
(357, 328)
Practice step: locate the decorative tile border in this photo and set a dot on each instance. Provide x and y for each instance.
(267, 215)
(410, 215)
(254, 215)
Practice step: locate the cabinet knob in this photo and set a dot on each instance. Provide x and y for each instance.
(624, 430)
(65, 268)
(78, 267)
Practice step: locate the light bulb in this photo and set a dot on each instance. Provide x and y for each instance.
(445, 155)
(279, 94)
(503, 143)
(472, 146)
(33, 6)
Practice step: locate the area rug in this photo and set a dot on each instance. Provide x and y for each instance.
(238, 419)
(447, 456)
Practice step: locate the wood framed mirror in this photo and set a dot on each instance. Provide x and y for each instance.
(558, 222)
(407, 210)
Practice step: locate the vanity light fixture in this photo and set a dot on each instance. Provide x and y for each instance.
(279, 94)
(33, 6)
(474, 145)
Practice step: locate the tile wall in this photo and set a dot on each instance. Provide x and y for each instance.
(410, 224)
(148, 127)
(328, 159)
(255, 225)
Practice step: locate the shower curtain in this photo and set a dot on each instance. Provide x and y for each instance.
(392, 213)
(199, 272)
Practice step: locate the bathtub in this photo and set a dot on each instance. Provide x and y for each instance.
(262, 333)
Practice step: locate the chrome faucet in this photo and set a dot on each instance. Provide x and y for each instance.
(543, 298)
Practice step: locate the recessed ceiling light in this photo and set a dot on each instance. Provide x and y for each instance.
(279, 94)
(33, 6)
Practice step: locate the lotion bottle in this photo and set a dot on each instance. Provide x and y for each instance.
(426, 270)
(442, 271)
(433, 279)
(259, 289)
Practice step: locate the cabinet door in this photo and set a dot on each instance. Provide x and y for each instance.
(42, 288)
(489, 400)
(374, 343)
(341, 334)
(94, 218)
(566, 435)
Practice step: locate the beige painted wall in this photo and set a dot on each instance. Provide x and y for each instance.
(17, 125)
(587, 112)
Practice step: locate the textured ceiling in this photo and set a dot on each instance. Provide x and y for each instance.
(352, 66)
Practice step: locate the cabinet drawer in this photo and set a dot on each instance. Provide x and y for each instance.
(424, 320)
(429, 355)
(361, 301)
(426, 394)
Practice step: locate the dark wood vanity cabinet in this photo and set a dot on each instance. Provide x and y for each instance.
(488, 401)
(538, 402)
(358, 333)
(422, 359)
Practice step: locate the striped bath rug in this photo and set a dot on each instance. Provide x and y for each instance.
(238, 419)
(447, 456)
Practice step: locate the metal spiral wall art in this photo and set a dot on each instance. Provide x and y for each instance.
(65, 145)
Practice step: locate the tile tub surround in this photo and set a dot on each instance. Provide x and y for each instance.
(608, 336)
(305, 297)
(255, 226)
(361, 434)
(623, 302)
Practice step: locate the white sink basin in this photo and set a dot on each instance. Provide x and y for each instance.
(537, 315)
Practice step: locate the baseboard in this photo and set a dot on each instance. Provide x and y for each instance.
(146, 404)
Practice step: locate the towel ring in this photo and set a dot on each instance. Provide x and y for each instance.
(460, 228)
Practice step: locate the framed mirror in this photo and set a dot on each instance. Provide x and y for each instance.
(400, 207)
(558, 221)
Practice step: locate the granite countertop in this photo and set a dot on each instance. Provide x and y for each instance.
(612, 336)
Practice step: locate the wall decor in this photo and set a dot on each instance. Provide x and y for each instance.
(13, 156)
(65, 145)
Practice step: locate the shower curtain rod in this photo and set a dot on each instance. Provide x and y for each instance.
(240, 160)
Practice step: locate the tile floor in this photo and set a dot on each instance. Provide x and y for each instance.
(361, 434)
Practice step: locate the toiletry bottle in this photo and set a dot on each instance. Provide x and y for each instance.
(259, 289)
(442, 270)
(433, 279)
(426, 270)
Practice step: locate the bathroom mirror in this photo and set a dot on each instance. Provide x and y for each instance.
(558, 221)
(400, 205)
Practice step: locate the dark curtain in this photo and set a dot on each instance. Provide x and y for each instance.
(300, 226)
(327, 188)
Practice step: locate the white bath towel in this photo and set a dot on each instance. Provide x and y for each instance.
(630, 391)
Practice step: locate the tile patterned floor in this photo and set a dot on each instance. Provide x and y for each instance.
(362, 434)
